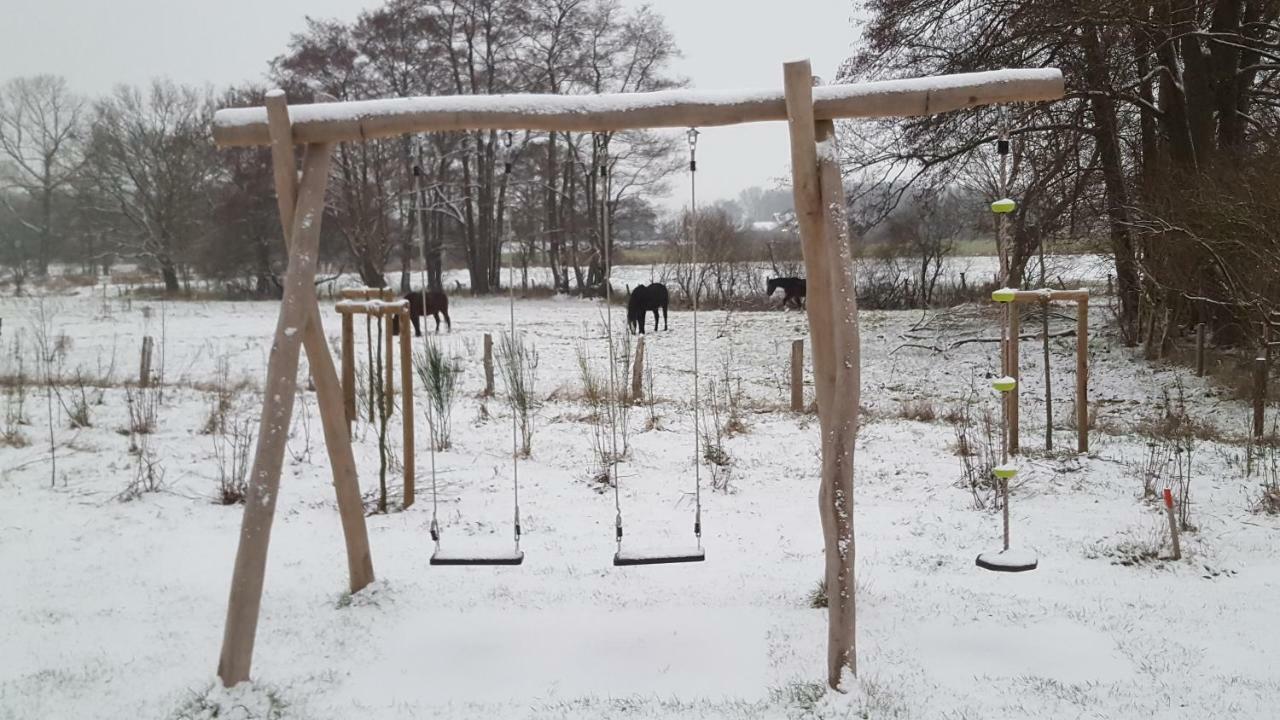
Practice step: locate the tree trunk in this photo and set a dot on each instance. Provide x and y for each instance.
(1107, 132)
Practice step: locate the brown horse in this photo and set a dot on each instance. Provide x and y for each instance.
(793, 290)
(421, 304)
(643, 300)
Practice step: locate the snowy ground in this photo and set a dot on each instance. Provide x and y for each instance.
(115, 609)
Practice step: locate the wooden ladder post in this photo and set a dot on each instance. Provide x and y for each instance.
(406, 403)
(389, 384)
(1199, 349)
(637, 372)
(1082, 374)
(1015, 321)
(1048, 377)
(349, 369)
(797, 376)
(488, 365)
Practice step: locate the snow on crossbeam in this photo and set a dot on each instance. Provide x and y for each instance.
(367, 119)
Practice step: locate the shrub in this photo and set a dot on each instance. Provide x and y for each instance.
(144, 408)
(918, 409)
(978, 446)
(519, 364)
(439, 375)
(231, 452)
(818, 595)
(148, 474)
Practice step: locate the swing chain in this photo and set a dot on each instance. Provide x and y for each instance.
(692, 137)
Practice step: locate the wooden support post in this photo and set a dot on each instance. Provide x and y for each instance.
(372, 384)
(1266, 339)
(1199, 349)
(349, 369)
(247, 580)
(1173, 524)
(488, 365)
(1259, 396)
(797, 376)
(637, 372)
(1048, 377)
(833, 329)
(278, 396)
(389, 385)
(144, 369)
(1015, 322)
(1082, 373)
(406, 406)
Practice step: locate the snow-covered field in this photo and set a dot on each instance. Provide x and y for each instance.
(112, 609)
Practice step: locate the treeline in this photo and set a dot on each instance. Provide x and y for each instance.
(1163, 151)
(134, 175)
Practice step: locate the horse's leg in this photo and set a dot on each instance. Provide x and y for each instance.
(655, 319)
(417, 329)
(665, 326)
(436, 316)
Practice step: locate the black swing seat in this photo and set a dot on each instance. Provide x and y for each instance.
(1010, 561)
(441, 557)
(624, 557)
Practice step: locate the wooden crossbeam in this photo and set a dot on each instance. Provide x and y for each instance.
(369, 119)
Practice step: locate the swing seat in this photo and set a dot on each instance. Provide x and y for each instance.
(1008, 561)
(443, 557)
(624, 558)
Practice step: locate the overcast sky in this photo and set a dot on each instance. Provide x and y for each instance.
(727, 44)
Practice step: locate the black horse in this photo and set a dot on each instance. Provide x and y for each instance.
(793, 289)
(645, 299)
(421, 304)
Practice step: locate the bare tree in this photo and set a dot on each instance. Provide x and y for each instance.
(152, 159)
(41, 153)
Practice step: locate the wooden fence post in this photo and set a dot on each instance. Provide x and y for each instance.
(1199, 349)
(1173, 524)
(797, 376)
(1082, 374)
(1259, 396)
(488, 365)
(144, 370)
(637, 372)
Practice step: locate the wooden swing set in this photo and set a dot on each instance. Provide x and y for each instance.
(820, 209)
